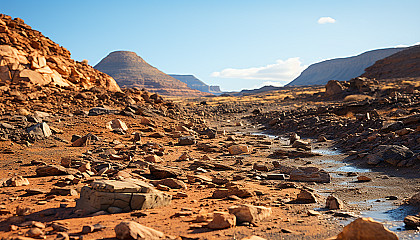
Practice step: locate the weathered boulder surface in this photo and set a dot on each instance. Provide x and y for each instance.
(127, 195)
(129, 230)
(412, 222)
(310, 174)
(333, 203)
(392, 154)
(415, 199)
(333, 87)
(40, 130)
(365, 229)
(238, 149)
(305, 197)
(222, 220)
(250, 213)
(51, 170)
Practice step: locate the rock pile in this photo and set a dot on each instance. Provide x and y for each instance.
(28, 57)
(391, 138)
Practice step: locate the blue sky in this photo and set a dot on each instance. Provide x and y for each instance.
(236, 44)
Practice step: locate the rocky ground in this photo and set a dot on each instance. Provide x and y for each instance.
(201, 169)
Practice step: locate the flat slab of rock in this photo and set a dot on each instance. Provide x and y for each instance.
(310, 174)
(238, 149)
(127, 195)
(163, 172)
(51, 170)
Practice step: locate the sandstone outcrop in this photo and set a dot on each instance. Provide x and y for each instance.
(127, 195)
(27, 56)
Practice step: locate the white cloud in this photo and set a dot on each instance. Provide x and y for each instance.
(324, 20)
(281, 71)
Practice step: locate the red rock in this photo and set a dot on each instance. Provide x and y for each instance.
(131, 230)
(222, 220)
(365, 229)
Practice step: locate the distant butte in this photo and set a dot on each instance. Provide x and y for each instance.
(130, 70)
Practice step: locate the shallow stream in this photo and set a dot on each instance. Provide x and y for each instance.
(386, 211)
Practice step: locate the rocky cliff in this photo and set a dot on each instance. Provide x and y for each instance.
(342, 69)
(28, 57)
(130, 70)
(402, 64)
(196, 83)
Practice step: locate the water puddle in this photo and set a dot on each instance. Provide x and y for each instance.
(329, 152)
(266, 135)
(347, 169)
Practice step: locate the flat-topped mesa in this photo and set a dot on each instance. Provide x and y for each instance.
(130, 70)
(28, 57)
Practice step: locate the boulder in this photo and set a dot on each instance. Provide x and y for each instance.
(128, 195)
(171, 183)
(51, 170)
(414, 200)
(222, 220)
(238, 149)
(293, 137)
(365, 229)
(117, 124)
(17, 181)
(250, 213)
(40, 130)
(310, 174)
(210, 132)
(232, 190)
(301, 144)
(392, 154)
(260, 167)
(153, 159)
(162, 172)
(186, 140)
(364, 179)
(333, 87)
(83, 141)
(129, 230)
(412, 222)
(333, 203)
(305, 197)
